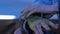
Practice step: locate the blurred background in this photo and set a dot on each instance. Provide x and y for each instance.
(14, 7)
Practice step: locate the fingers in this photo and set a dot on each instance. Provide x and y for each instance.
(53, 25)
(36, 31)
(39, 29)
(36, 10)
(29, 9)
(45, 26)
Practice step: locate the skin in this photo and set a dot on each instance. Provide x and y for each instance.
(37, 8)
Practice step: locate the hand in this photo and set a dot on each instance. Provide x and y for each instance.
(40, 9)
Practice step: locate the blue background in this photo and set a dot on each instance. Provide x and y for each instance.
(14, 7)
